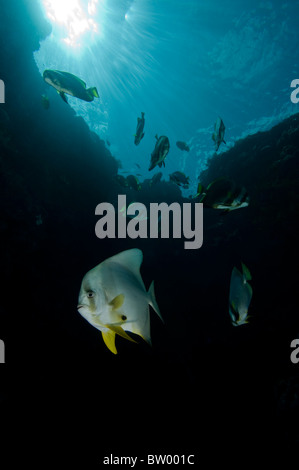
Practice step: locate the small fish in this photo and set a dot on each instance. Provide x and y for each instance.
(65, 82)
(114, 300)
(223, 194)
(240, 295)
(182, 145)
(160, 151)
(45, 102)
(139, 129)
(156, 178)
(121, 181)
(218, 134)
(133, 182)
(180, 179)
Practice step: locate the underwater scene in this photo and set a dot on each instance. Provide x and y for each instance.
(149, 231)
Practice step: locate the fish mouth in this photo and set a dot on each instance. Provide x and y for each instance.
(79, 306)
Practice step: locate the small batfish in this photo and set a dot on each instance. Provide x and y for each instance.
(240, 295)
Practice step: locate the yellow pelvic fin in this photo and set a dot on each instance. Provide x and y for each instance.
(118, 330)
(117, 302)
(109, 340)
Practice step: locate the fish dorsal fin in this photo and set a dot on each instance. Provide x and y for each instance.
(117, 302)
(246, 272)
(109, 340)
(130, 259)
(119, 331)
(236, 273)
(71, 75)
(81, 81)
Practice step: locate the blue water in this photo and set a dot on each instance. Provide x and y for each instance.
(183, 64)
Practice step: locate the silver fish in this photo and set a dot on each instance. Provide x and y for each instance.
(114, 300)
(218, 135)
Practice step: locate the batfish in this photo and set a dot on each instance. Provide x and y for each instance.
(114, 300)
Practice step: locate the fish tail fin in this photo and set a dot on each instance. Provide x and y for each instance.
(109, 340)
(93, 92)
(152, 300)
(200, 190)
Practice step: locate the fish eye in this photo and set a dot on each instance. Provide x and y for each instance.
(123, 317)
(90, 294)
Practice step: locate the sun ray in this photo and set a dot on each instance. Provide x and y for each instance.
(73, 18)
